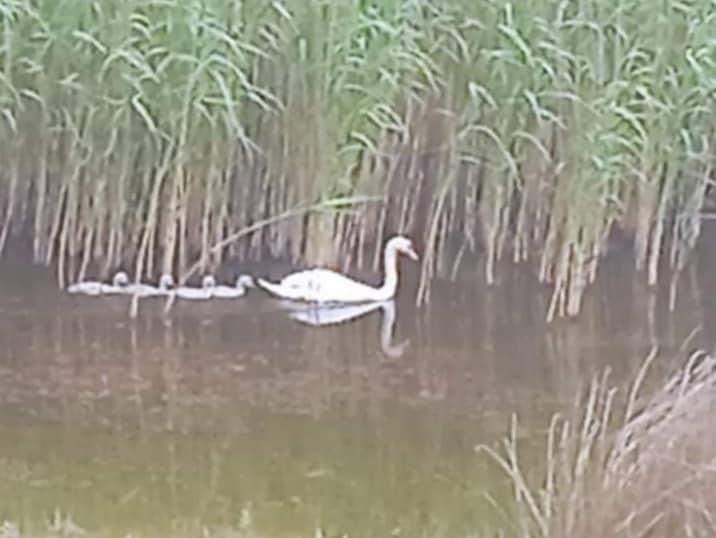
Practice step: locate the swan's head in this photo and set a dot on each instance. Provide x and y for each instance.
(208, 282)
(245, 281)
(404, 245)
(120, 280)
(166, 282)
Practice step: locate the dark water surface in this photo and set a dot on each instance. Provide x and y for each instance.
(229, 418)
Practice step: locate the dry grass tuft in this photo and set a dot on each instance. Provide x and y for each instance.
(647, 473)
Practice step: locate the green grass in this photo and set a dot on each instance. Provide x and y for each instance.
(140, 134)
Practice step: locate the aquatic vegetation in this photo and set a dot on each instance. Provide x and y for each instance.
(642, 468)
(166, 136)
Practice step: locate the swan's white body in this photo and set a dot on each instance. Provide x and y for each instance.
(326, 286)
(119, 284)
(89, 287)
(233, 292)
(166, 283)
(92, 287)
(197, 294)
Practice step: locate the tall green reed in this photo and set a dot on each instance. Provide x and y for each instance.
(142, 134)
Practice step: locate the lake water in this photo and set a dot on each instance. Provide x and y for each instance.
(231, 418)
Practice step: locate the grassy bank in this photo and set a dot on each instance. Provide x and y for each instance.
(140, 134)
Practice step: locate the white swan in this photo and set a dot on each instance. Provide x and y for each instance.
(208, 283)
(94, 287)
(232, 292)
(166, 283)
(326, 286)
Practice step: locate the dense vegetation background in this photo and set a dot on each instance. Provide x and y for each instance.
(152, 134)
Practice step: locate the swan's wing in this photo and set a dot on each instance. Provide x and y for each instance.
(192, 293)
(325, 285)
(86, 288)
(111, 289)
(143, 290)
(227, 292)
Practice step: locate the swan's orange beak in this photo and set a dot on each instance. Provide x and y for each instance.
(411, 253)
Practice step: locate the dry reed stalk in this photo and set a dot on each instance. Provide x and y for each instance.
(39, 231)
(170, 224)
(10, 204)
(158, 176)
(608, 475)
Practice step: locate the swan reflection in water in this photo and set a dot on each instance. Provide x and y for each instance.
(325, 314)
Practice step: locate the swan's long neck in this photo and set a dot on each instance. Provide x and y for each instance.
(390, 280)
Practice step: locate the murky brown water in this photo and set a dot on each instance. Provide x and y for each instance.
(232, 418)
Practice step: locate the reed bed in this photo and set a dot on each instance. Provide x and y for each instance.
(631, 461)
(150, 134)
